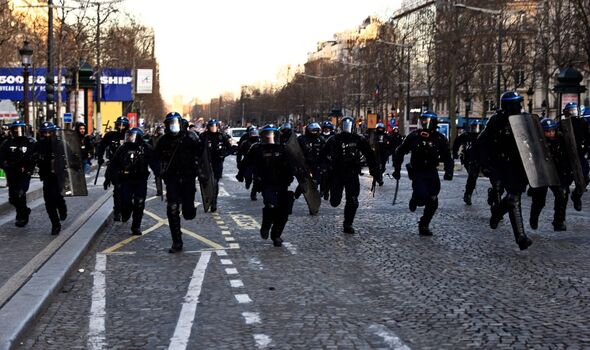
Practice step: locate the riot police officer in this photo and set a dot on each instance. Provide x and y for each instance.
(560, 157)
(285, 133)
(343, 152)
(273, 168)
(249, 171)
(468, 156)
(501, 160)
(109, 144)
(246, 135)
(129, 168)
(328, 129)
(177, 152)
(396, 139)
(219, 147)
(582, 136)
(17, 158)
(312, 145)
(384, 145)
(54, 201)
(86, 146)
(429, 148)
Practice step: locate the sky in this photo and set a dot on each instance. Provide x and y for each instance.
(207, 47)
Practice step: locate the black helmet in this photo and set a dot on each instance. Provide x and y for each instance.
(173, 123)
(347, 124)
(134, 135)
(548, 124)
(18, 128)
(428, 120)
(511, 102)
(122, 123)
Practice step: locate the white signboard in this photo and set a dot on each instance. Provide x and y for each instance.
(567, 98)
(145, 79)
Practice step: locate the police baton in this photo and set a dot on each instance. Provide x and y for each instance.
(396, 189)
(97, 173)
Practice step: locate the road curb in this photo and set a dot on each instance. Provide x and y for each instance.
(19, 313)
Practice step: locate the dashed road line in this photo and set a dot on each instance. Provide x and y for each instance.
(290, 247)
(251, 317)
(236, 283)
(182, 332)
(243, 298)
(390, 338)
(262, 340)
(226, 262)
(96, 325)
(231, 271)
(245, 222)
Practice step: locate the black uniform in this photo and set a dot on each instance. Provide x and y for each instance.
(17, 158)
(54, 201)
(274, 171)
(129, 168)
(344, 152)
(108, 145)
(500, 159)
(219, 147)
(385, 145)
(468, 158)
(560, 156)
(178, 156)
(312, 146)
(582, 135)
(429, 149)
(249, 171)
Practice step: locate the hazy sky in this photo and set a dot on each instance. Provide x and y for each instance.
(206, 47)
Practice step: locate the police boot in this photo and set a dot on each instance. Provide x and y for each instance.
(266, 222)
(349, 213)
(117, 216)
(515, 214)
(55, 229)
(429, 210)
(136, 223)
(174, 222)
(126, 214)
(63, 211)
(22, 217)
(277, 229)
(559, 214)
(536, 209)
(497, 215)
(413, 205)
(54, 218)
(253, 195)
(467, 198)
(577, 200)
(493, 196)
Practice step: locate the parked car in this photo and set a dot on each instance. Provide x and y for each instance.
(235, 135)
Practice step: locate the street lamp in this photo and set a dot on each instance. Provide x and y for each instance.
(544, 108)
(530, 92)
(467, 101)
(26, 57)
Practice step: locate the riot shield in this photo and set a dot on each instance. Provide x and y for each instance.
(303, 175)
(68, 165)
(206, 179)
(572, 150)
(534, 151)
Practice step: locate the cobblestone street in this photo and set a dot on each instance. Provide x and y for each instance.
(385, 287)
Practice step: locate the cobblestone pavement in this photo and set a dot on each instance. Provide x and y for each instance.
(385, 287)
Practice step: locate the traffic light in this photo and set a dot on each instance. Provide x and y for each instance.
(50, 90)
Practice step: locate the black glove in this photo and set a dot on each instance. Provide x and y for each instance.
(240, 177)
(448, 176)
(106, 184)
(396, 174)
(100, 161)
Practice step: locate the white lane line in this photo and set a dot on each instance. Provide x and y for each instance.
(290, 247)
(96, 326)
(231, 271)
(245, 222)
(229, 239)
(226, 262)
(243, 298)
(236, 283)
(221, 253)
(225, 233)
(262, 340)
(234, 246)
(182, 333)
(390, 338)
(255, 263)
(223, 192)
(223, 227)
(251, 317)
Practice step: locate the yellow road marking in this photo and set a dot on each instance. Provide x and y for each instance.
(201, 238)
(131, 239)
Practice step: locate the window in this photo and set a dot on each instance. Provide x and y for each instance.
(519, 76)
(520, 47)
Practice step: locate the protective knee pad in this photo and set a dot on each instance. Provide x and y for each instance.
(173, 209)
(512, 201)
(352, 201)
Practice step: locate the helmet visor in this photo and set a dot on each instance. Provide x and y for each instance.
(18, 131)
(428, 123)
(130, 137)
(174, 126)
(347, 125)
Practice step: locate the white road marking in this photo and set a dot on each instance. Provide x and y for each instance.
(226, 262)
(231, 271)
(262, 340)
(96, 326)
(179, 340)
(392, 340)
(229, 239)
(236, 283)
(223, 192)
(221, 253)
(251, 317)
(243, 298)
(223, 227)
(290, 247)
(255, 263)
(234, 246)
(246, 222)
(226, 233)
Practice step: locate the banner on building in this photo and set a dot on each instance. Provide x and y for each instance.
(117, 84)
(145, 81)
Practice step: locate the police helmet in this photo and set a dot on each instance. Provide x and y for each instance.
(213, 122)
(269, 127)
(380, 127)
(510, 102)
(328, 125)
(311, 127)
(47, 126)
(286, 127)
(347, 124)
(572, 109)
(586, 112)
(172, 123)
(18, 128)
(122, 120)
(548, 124)
(253, 132)
(428, 120)
(134, 135)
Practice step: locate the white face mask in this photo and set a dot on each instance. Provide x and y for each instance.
(175, 126)
(326, 132)
(573, 112)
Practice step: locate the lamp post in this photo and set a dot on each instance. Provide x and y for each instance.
(544, 108)
(26, 56)
(466, 127)
(530, 92)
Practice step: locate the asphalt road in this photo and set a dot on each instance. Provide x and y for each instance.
(386, 287)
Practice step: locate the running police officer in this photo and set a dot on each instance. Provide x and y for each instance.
(243, 149)
(429, 148)
(17, 158)
(219, 147)
(466, 142)
(343, 152)
(312, 145)
(177, 152)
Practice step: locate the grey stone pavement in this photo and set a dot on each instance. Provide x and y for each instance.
(386, 288)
